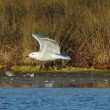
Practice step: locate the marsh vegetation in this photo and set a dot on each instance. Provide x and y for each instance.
(81, 27)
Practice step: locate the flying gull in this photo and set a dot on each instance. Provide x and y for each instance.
(49, 49)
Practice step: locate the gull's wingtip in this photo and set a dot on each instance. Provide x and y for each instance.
(68, 58)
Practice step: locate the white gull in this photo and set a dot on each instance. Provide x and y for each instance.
(31, 75)
(49, 49)
(49, 84)
(9, 73)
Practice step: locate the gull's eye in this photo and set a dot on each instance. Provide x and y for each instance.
(32, 54)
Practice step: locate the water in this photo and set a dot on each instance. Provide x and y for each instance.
(55, 80)
(54, 99)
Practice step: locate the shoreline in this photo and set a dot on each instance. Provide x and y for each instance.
(65, 77)
(72, 70)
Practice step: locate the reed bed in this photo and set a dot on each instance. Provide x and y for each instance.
(81, 27)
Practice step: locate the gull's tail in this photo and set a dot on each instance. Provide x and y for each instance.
(63, 56)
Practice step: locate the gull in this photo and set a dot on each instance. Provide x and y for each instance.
(32, 75)
(73, 80)
(49, 84)
(46, 81)
(106, 80)
(9, 73)
(49, 49)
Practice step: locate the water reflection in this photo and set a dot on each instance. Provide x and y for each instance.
(53, 80)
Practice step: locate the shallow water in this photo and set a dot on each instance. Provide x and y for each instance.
(54, 99)
(55, 80)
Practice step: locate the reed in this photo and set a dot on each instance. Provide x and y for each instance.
(81, 27)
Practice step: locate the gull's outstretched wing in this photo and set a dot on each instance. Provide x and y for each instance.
(46, 44)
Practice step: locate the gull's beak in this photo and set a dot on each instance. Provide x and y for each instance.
(29, 55)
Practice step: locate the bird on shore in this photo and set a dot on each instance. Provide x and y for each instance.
(9, 73)
(49, 49)
(31, 75)
(49, 84)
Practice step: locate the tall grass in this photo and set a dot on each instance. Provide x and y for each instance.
(81, 27)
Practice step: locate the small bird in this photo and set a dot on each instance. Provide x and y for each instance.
(9, 73)
(73, 80)
(31, 75)
(46, 81)
(49, 84)
(106, 80)
(49, 49)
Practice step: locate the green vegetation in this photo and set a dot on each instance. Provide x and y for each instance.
(81, 27)
(67, 70)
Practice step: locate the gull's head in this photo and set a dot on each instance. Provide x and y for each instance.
(33, 55)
